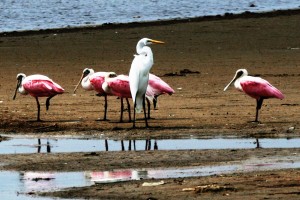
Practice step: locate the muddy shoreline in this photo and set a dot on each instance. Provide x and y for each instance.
(266, 45)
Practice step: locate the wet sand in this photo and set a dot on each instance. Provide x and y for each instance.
(266, 45)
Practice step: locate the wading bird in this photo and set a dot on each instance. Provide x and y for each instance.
(93, 81)
(139, 75)
(118, 85)
(37, 86)
(156, 87)
(255, 87)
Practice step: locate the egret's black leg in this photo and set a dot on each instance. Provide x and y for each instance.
(145, 114)
(39, 108)
(133, 126)
(149, 107)
(259, 103)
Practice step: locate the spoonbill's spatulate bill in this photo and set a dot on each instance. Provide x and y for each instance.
(37, 86)
(139, 75)
(255, 87)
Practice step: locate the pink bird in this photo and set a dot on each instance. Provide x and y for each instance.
(118, 85)
(91, 80)
(37, 86)
(156, 87)
(255, 87)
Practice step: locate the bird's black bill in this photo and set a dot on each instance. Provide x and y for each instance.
(18, 85)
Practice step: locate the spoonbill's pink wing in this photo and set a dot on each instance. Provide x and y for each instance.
(97, 82)
(42, 88)
(156, 86)
(120, 86)
(259, 88)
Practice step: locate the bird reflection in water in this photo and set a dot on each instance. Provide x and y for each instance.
(39, 146)
(148, 145)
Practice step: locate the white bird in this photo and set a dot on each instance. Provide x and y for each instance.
(139, 75)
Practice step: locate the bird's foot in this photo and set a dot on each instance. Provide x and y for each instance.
(256, 122)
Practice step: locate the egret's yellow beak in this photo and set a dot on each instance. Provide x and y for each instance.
(156, 42)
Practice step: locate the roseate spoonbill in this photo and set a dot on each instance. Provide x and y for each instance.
(255, 87)
(91, 80)
(37, 86)
(156, 87)
(139, 75)
(118, 85)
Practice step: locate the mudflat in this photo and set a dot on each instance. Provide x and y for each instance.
(199, 58)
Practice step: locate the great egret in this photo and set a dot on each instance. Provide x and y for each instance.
(139, 75)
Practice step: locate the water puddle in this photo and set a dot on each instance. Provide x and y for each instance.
(59, 145)
(24, 185)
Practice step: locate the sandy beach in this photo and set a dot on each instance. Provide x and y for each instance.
(199, 58)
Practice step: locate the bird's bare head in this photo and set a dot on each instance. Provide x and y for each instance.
(111, 75)
(148, 41)
(238, 74)
(85, 72)
(20, 78)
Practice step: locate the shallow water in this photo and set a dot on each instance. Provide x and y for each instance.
(18, 185)
(45, 14)
(59, 145)
(14, 185)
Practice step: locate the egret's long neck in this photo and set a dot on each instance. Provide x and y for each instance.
(139, 47)
(149, 53)
(148, 61)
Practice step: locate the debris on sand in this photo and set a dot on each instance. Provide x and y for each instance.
(147, 184)
(209, 188)
(183, 72)
(291, 129)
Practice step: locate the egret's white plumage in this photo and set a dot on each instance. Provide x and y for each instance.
(139, 73)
